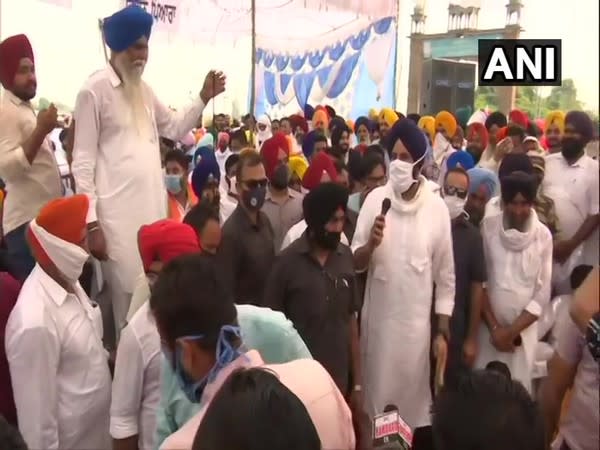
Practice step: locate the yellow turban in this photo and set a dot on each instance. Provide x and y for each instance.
(298, 165)
(556, 118)
(373, 114)
(389, 116)
(427, 124)
(447, 121)
(350, 124)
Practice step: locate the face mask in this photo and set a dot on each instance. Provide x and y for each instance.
(401, 176)
(327, 240)
(571, 147)
(225, 354)
(281, 177)
(455, 205)
(173, 183)
(254, 199)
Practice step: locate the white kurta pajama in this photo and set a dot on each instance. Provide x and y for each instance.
(416, 252)
(519, 267)
(120, 171)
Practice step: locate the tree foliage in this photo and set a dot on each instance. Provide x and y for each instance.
(530, 100)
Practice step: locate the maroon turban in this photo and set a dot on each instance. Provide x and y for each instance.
(12, 50)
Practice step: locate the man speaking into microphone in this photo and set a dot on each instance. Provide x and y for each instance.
(404, 253)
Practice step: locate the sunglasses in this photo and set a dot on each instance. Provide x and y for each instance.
(254, 184)
(451, 190)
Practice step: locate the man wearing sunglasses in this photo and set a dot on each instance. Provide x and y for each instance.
(470, 274)
(248, 247)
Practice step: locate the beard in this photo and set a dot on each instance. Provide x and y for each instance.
(135, 94)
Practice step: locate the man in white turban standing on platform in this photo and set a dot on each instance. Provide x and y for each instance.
(116, 160)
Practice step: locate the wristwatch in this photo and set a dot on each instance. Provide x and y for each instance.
(357, 388)
(592, 336)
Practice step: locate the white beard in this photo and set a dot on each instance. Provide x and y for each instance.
(136, 96)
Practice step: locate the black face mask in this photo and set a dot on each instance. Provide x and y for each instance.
(281, 177)
(254, 199)
(327, 240)
(571, 147)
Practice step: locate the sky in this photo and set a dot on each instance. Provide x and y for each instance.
(68, 47)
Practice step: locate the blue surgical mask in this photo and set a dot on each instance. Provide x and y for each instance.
(173, 183)
(225, 354)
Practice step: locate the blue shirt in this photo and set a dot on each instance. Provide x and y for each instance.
(263, 329)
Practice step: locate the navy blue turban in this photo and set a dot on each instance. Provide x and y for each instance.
(125, 27)
(206, 169)
(362, 120)
(410, 135)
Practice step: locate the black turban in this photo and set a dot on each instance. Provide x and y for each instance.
(518, 183)
(515, 162)
(582, 124)
(414, 117)
(410, 135)
(496, 118)
(321, 203)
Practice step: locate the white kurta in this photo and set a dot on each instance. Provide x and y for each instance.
(58, 367)
(416, 252)
(120, 170)
(519, 267)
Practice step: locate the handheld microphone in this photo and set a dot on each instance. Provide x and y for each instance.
(386, 204)
(390, 431)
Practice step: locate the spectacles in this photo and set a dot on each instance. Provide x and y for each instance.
(452, 190)
(254, 184)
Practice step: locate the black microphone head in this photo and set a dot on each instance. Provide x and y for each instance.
(390, 408)
(386, 204)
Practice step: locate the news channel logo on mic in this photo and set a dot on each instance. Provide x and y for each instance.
(390, 431)
(520, 62)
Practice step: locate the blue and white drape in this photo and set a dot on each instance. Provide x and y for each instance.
(339, 74)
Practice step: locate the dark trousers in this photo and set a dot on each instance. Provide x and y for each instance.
(423, 439)
(20, 260)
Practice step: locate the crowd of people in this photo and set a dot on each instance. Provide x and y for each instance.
(279, 283)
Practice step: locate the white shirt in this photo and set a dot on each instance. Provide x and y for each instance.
(59, 368)
(298, 230)
(118, 169)
(416, 253)
(29, 186)
(136, 384)
(574, 189)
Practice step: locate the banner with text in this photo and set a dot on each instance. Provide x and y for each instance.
(163, 11)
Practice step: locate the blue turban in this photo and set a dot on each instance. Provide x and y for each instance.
(308, 144)
(206, 167)
(362, 120)
(462, 159)
(308, 112)
(410, 135)
(125, 27)
(478, 176)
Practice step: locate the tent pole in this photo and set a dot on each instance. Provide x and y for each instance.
(253, 59)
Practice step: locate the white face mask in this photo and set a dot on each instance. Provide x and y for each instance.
(67, 257)
(455, 205)
(401, 175)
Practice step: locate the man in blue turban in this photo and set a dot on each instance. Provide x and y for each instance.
(206, 177)
(403, 241)
(482, 187)
(116, 158)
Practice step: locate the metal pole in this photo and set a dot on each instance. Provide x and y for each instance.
(253, 58)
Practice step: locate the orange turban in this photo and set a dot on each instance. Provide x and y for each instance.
(447, 121)
(350, 124)
(165, 240)
(65, 218)
(12, 50)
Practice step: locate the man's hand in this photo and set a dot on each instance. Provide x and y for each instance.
(562, 250)
(503, 340)
(470, 350)
(97, 243)
(214, 84)
(47, 120)
(360, 420)
(377, 232)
